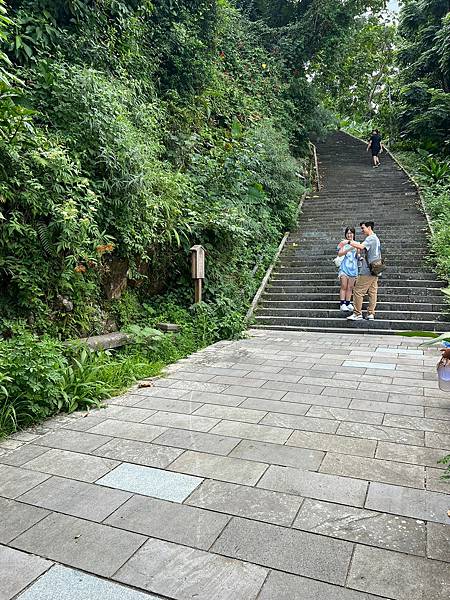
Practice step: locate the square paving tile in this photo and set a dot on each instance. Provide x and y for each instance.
(85, 423)
(151, 482)
(141, 453)
(418, 504)
(278, 454)
(435, 482)
(200, 398)
(159, 392)
(15, 518)
(320, 486)
(240, 390)
(437, 440)
(15, 481)
(414, 455)
(345, 414)
(276, 406)
(252, 432)
(22, 455)
(170, 404)
(301, 388)
(244, 381)
(169, 521)
(332, 443)
(182, 421)
(398, 576)
(191, 375)
(316, 400)
(77, 441)
(17, 570)
(128, 413)
(299, 422)
(195, 440)
(188, 574)
(382, 433)
(244, 501)
(358, 394)
(282, 586)
(438, 541)
(62, 583)
(78, 543)
(358, 525)
(73, 465)
(198, 386)
(128, 430)
(84, 500)
(369, 365)
(224, 468)
(285, 549)
(373, 469)
(245, 415)
(419, 423)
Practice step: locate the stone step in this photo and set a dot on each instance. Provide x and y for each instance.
(394, 263)
(330, 273)
(304, 252)
(397, 295)
(369, 329)
(335, 313)
(281, 281)
(306, 266)
(435, 307)
(342, 323)
(320, 243)
(311, 225)
(303, 292)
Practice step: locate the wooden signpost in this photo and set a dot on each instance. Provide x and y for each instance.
(198, 270)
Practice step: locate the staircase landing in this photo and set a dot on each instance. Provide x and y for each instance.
(303, 293)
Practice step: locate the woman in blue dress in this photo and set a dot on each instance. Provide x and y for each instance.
(348, 270)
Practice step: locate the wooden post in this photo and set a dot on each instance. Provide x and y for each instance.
(198, 290)
(198, 270)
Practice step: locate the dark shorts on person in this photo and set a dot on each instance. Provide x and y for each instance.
(376, 150)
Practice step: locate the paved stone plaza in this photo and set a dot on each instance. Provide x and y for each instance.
(286, 466)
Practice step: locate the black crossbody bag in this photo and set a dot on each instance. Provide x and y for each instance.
(377, 266)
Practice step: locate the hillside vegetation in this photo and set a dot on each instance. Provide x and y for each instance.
(129, 131)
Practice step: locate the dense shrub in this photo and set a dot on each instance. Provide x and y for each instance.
(40, 376)
(154, 127)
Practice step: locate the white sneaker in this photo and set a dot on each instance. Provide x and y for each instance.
(370, 318)
(344, 308)
(350, 307)
(354, 317)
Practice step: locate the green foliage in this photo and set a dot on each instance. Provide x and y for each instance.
(424, 59)
(435, 169)
(433, 177)
(358, 81)
(34, 368)
(445, 461)
(143, 128)
(40, 376)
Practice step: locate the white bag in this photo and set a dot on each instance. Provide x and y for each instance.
(338, 260)
(443, 370)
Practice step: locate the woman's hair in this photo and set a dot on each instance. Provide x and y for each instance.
(352, 229)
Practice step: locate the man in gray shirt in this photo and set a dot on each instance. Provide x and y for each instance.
(366, 283)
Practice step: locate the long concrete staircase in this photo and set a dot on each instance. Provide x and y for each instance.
(303, 292)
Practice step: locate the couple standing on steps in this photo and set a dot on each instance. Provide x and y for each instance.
(357, 271)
